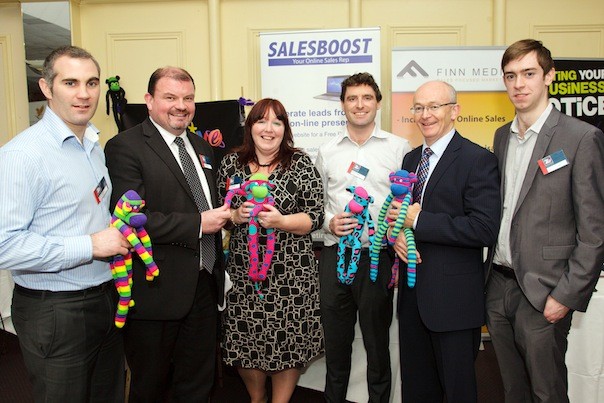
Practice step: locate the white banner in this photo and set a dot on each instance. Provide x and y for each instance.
(304, 70)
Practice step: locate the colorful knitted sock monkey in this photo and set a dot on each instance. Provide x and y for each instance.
(130, 221)
(359, 207)
(257, 190)
(401, 183)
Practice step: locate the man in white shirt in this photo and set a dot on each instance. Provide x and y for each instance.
(362, 155)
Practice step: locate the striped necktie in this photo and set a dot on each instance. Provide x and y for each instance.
(422, 175)
(208, 246)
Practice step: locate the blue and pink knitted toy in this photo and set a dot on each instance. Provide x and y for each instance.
(130, 221)
(257, 191)
(401, 183)
(359, 207)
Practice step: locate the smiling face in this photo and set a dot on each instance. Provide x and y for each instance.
(360, 106)
(74, 93)
(435, 124)
(527, 84)
(267, 134)
(172, 105)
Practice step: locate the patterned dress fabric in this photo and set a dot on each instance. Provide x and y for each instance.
(282, 329)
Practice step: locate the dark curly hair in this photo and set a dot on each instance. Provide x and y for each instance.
(360, 79)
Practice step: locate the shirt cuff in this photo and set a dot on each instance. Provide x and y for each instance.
(78, 250)
(415, 221)
(326, 221)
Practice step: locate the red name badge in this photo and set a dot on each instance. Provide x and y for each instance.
(100, 190)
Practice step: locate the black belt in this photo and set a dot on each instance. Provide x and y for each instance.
(44, 294)
(504, 271)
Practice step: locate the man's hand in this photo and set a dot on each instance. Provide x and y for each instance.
(554, 311)
(109, 242)
(412, 212)
(213, 220)
(393, 211)
(342, 224)
(400, 247)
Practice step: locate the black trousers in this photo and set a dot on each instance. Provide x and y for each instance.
(71, 347)
(339, 306)
(189, 344)
(434, 364)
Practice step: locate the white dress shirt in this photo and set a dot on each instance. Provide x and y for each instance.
(381, 154)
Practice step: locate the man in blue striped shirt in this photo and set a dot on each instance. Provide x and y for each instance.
(55, 238)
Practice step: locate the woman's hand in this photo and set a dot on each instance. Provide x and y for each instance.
(270, 217)
(241, 215)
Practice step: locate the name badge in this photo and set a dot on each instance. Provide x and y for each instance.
(233, 183)
(100, 190)
(553, 162)
(358, 170)
(205, 161)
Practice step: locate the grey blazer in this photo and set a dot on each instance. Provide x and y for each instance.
(557, 233)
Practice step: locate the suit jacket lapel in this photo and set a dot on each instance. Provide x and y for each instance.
(413, 159)
(159, 146)
(543, 139)
(441, 168)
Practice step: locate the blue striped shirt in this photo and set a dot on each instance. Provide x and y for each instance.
(48, 209)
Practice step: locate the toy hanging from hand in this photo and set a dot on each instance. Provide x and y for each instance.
(257, 190)
(130, 221)
(401, 183)
(359, 207)
(118, 97)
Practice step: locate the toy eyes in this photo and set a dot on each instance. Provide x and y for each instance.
(135, 208)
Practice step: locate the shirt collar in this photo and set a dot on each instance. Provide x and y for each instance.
(61, 132)
(535, 127)
(440, 145)
(167, 136)
(377, 133)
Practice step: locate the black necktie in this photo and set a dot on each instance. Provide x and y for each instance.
(422, 175)
(208, 247)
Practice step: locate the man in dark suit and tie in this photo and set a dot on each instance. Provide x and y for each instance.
(551, 243)
(174, 320)
(455, 214)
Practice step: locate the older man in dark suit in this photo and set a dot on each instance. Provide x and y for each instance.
(174, 319)
(455, 215)
(551, 242)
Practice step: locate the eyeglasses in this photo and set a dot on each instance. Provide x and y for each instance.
(418, 109)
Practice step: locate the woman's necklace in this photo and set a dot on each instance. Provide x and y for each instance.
(264, 165)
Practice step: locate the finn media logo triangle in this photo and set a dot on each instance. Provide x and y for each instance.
(412, 69)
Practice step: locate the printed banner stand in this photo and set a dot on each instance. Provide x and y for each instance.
(304, 70)
(474, 72)
(578, 89)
